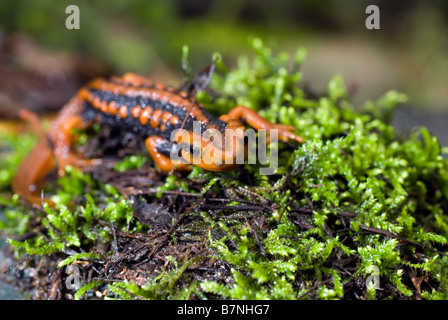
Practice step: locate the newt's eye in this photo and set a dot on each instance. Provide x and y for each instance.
(195, 151)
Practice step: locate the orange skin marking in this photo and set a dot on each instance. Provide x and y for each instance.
(145, 115)
(112, 108)
(96, 102)
(136, 80)
(165, 118)
(184, 94)
(174, 120)
(103, 106)
(85, 94)
(155, 119)
(123, 112)
(135, 112)
(177, 100)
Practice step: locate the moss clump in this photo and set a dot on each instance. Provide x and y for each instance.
(355, 201)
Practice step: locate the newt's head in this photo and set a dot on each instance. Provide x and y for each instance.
(213, 149)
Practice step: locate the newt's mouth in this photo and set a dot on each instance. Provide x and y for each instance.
(209, 157)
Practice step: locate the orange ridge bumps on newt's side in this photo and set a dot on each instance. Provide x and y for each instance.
(150, 110)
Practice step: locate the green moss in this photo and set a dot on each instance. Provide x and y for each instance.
(81, 291)
(131, 162)
(355, 197)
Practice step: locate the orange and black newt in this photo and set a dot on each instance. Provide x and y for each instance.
(150, 110)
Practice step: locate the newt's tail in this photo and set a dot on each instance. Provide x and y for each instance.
(38, 164)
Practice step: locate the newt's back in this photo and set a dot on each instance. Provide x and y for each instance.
(135, 103)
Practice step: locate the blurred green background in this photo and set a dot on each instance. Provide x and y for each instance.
(409, 53)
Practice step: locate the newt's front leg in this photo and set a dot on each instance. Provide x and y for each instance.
(252, 118)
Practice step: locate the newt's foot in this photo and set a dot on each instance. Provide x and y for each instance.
(252, 118)
(285, 132)
(74, 160)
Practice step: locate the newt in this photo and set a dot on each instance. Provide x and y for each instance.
(150, 110)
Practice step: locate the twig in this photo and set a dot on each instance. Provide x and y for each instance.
(402, 239)
(260, 245)
(16, 264)
(316, 286)
(115, 243)
(230, 238)
(220, 207)
(175, 192)
(283, 211)
(347, 214)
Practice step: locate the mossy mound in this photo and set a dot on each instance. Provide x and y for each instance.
(355, 202)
